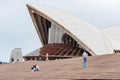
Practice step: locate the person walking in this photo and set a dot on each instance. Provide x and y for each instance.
(0, 62)
(47, 58)
(84, 60)
(40, 57)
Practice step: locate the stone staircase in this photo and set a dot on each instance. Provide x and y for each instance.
(98, 67)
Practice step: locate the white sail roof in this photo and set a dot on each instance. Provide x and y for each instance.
(86, 34)
(113, 34)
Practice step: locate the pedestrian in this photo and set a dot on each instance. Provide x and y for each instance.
(0, 62)
(47, 57)
(84, 60)
(35, 68)
(40, 57)
(12, 60)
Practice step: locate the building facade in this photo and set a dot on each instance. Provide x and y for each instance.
(16, 55)
(63, 35)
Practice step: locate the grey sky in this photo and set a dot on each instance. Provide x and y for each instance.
(17, 30)
(101, 13)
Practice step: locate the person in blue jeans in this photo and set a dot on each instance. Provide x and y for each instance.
(84, 60)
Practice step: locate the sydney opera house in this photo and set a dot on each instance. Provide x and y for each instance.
(65, 36)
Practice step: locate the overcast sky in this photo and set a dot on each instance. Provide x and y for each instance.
(17, 29)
